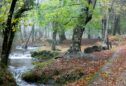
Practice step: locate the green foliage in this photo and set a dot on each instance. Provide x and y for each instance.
(5, 7)
(43, 64)
(65, 13)
(96, 22)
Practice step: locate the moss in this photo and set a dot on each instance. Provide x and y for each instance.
(30, 77)
(44, 75)
(38, 74)
(44, 54)
(43, 64)
(34, 76)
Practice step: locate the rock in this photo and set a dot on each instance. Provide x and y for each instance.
(89, 50)
(96, 48)
(104, 48)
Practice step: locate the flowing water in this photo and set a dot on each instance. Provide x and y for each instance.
(20, 62)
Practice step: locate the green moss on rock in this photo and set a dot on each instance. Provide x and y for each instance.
(44, 54)
(46, 74)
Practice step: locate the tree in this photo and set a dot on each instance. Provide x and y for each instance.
(83, 19)
(8, 34)
(10, 29)
(65, 13)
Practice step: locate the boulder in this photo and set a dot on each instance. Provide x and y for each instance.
(89, 50)
(96, 48)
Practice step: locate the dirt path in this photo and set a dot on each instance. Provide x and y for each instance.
(114, 72)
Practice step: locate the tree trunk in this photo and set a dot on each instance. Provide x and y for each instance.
(62, 36)
(89, 34)
(54, 40)
(116, 25)
(76, 40)
(8, 36)
(103, 28)
(33, 34)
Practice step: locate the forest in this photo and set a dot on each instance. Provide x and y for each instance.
(62, 43)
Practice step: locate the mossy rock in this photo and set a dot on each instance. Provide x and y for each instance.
(33, 76)
(44, 54)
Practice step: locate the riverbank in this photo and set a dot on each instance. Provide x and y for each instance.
(67, 71)
(6, 78)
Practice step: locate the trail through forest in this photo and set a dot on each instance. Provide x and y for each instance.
(114, 72)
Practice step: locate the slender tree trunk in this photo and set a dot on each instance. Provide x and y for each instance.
(54, 40)
(106, 29)
(89, 34)
(116, 25)
(33, 33)
(103, 28)
(26, 45)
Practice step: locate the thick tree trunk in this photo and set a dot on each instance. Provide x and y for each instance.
(8, 36)
(76, 40)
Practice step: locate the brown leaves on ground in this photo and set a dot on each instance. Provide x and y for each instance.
(105, 54)
(115, 74)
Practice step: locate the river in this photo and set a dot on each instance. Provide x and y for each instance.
(20, 62)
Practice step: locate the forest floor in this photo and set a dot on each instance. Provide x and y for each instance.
(114, 72)
(108, 70)
(6, 79)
